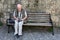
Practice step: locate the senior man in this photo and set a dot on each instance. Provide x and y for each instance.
(19, 15)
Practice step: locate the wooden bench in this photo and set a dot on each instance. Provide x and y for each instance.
(37, 19)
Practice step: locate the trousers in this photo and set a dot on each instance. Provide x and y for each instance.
(18, 27)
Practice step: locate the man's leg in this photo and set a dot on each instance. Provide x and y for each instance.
(20, 28)
(16, 27)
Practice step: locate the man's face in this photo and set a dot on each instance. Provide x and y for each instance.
(19, 6)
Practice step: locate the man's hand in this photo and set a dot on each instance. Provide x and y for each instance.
(22, 19)
(17, 19)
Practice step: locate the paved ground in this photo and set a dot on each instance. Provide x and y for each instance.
(30, 34)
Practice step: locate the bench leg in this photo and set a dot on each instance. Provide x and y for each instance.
(52, 30)
(8, 29)
(13, 28)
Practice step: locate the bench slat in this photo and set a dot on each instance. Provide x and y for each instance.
(38, 21)
(37, 24)
(39, 13)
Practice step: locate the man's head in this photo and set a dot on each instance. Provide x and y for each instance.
(19, 7)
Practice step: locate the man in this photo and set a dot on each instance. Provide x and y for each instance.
(19, 15)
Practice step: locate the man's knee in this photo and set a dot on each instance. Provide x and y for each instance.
(16, 21)
(21, 22)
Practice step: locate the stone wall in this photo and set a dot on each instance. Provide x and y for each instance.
(34, 6)
(5, 8)
(50, 6)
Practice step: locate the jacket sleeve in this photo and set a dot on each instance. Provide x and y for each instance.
(13, 13)
(25, 13)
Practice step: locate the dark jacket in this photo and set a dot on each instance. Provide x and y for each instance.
(22, 12)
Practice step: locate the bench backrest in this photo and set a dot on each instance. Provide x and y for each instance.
(38, 17)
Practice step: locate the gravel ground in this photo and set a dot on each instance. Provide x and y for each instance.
(30, 34)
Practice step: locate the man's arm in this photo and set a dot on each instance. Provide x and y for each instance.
(25, 16)
(14, 16)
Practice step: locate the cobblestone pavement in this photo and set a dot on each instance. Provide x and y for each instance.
(28, 34)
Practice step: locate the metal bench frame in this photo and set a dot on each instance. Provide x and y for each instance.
(32, 25)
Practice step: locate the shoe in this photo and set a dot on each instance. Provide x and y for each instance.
(18, 36)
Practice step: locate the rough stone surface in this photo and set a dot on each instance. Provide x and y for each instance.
(30, 34)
